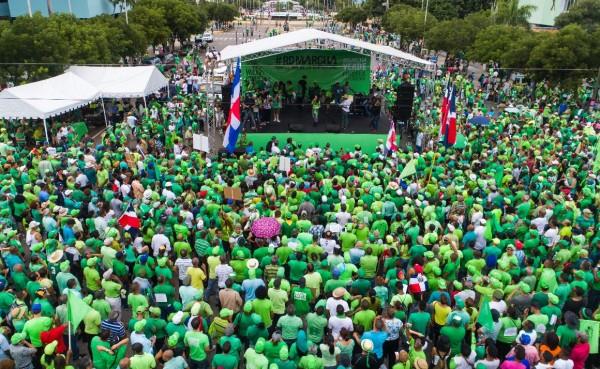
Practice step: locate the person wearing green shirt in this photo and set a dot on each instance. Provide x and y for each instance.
(198, 344)
(316, 323)
(301, 296)
(101, 305)
(226, 359)
(289, 325)
(91, 275)
(102, 356)
(273, 347)
(36, 325)
(368, 263)
(278, 297)
(297, 268)
(141, 359)
(420, 319)
(365, 316)
(455, 333)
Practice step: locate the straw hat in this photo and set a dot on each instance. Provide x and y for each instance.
(339, 292)
(55, 256)
(252, 264)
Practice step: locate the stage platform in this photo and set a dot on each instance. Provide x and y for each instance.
(368, 142)
(299, 120)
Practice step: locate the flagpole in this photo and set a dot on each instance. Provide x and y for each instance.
(69, 321)
(70, 336)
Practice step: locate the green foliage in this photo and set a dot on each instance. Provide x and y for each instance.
(457, 35)
(182, 18)
(46, 45)
(152, 22)
(408, 22)
(511, 13)
(586, 13)
(570, 48)
(220, 12)
(352, 15)
(494, 42)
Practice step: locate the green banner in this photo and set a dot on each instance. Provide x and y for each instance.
(325, 67)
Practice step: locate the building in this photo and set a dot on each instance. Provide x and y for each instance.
(79, 8)
(546, 10)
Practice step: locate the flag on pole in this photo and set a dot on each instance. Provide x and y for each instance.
(409, 169)
(129, 219)
(485, 315)
(391, 142)
(444, 113)
(450, 138)
(77, 309)
(234, 120)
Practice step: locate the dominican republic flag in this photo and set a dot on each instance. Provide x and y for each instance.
(129, 219)
(444, 113)
(391, 143)
(418, 283)
(234, 120)
(450, 136)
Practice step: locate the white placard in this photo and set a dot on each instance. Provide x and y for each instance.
(200, 142)
(197, 142)
(160, 297)
(285, 164)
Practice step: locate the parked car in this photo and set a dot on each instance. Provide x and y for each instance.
(207, 37)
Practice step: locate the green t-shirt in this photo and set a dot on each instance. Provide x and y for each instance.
(364, 318)
(297, 269)
(315, 327)
(568, 336)
(289, 326)
(143, 361)
(101, 359)
(112, 289)
(92, 279)
(301, 298)
(34, 327)
(197, 342)
(369, 264)
(227, 361)
(134, 301)
(263, 307)
(103, 307)
(419, 321)
(455, 335)
(278, 298)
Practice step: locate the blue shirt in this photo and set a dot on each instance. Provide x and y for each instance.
(249, 286)
(378, 338)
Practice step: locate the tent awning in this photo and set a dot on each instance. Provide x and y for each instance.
(47, 98)
(310, 34)
(122, 82)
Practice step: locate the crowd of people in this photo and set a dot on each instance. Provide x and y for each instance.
(483, 256)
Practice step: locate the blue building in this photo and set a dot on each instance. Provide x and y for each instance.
(79, 8)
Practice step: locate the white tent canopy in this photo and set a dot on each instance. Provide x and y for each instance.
(122, 82)
(310, 34)
(47, 98)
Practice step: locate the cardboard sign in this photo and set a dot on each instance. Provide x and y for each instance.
(233, 193)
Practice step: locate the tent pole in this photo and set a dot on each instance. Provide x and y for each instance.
(104, 111)
(46, 131)
(145, 106)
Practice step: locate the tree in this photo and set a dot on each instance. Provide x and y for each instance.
(586, 13)
(457, 41)
(408, 22)
(352, 15)
(220, 12)
(153, 24)
(561, 52)
(511, 13)
(127, 40)
(494, 42)
(183, 18)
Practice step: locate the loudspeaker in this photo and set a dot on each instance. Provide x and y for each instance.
(405, 94)
(225, 99)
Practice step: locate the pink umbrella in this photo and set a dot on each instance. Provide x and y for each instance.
(265, 227)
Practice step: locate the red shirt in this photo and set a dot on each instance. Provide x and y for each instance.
(55, 334)
(579, 354)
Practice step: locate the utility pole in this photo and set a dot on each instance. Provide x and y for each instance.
(29, 8)
(426, 9)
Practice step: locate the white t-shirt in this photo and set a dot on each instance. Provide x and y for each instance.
(223, 272)
(332, 304)
(336, 324)
(499, 306)
(563, 364)
(182, 266)
(131, 121)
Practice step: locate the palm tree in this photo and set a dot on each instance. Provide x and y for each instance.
(511, 13)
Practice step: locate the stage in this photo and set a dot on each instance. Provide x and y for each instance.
(368, 142)
(299, 120)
